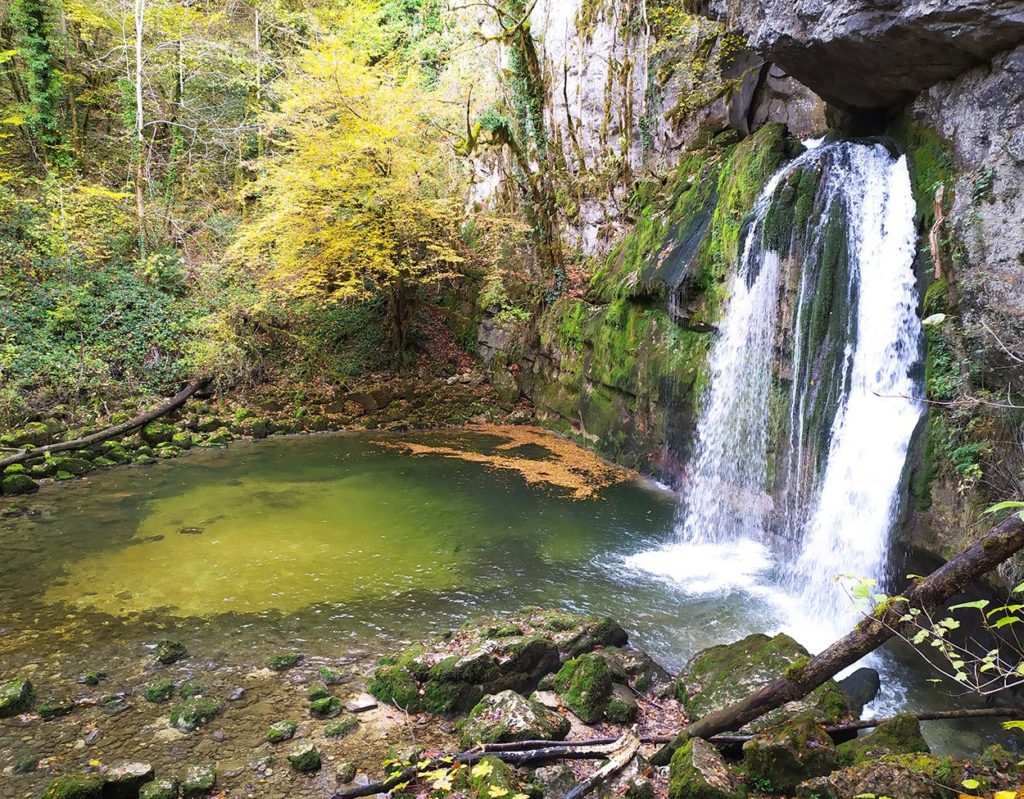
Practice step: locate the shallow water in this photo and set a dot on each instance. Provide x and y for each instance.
(342, 543)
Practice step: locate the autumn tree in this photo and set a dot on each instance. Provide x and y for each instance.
(357, 198)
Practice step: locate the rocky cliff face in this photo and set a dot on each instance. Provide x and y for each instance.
(875, 53)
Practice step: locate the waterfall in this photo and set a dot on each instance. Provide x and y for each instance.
(811, 405)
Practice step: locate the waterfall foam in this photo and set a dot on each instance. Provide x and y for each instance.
(811, 405)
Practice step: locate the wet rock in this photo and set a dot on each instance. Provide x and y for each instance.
(194, 713)
(92, 678)
(622, 706)
(901, 776)
(159, 691)
(860, 688)
(345, 772)
(283, 662)
(341, 726)
(698, 771)
(55, 707)
(25, 765)
(361, 704)
(554, 781)
(721, 675)
(785, 757)
(15, 696)
(75, 786)
(332, 677)
(327, 707)
(198, 780)
(305, 759)
(585, 685)
(159, 789)
(190, 689)
(900, 735)
(15, 484)
(125, 780)
(92, 737)
(77, 467)
(168, 652)
(507, 716)
(281, 731)
(112, 704)
(236, 695)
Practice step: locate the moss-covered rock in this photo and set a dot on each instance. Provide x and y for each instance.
(284, 662)
(281, 731)
(698, 771)
(159, 691)
(159, 789)
(75, 786)
(622, 706)
(331, 676)
(15, 696)
(198, 781)
(327, 707)
(721, 675)
(345, 724)
(194, 713)
(912, 776)
(54, 707)
(508, 716)
(900, 735)
(305, 758)
(488, 778)
(317, 692)
(157, 432)
(585, 684)
(182, 439)
(168, 652)
(73, 466)
(785, 757)
(16, 484)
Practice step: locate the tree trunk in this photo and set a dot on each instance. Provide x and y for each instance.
(873, 631)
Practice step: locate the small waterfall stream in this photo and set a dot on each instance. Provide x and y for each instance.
(812, 403)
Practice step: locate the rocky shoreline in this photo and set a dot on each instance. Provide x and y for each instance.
(393, 404)
(175, 724)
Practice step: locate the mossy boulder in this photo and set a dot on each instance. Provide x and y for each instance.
(55, 707)
(284, 662)
(73, 466)
(198, 780)
(344, 725)
(168, 652)
(508, 716)
(281, 731)
(721, 675)
(585, 684)
(159, 789)
(115, 451)
(159, 691)
(785, 757)
(75, 786)
(16, 484)
(899, 735)
(157, 432)
(182, 439)
(622, 706)
(488, 778)
(911, 776)
(194, 713)
(327, 707)
(305, 759)
(488, 656)
(698, 771)
(317, 692)
(15, 696)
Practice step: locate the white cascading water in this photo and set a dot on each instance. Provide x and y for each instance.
(840, 520)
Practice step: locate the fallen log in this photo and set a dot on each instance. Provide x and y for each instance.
(630, 745)
(154, 413)
(870, 633)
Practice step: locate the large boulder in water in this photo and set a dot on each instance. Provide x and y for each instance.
(508, 716)
(487, 657)
(899, 735)
(722, 675)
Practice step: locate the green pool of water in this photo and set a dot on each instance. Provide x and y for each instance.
(344, 543)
